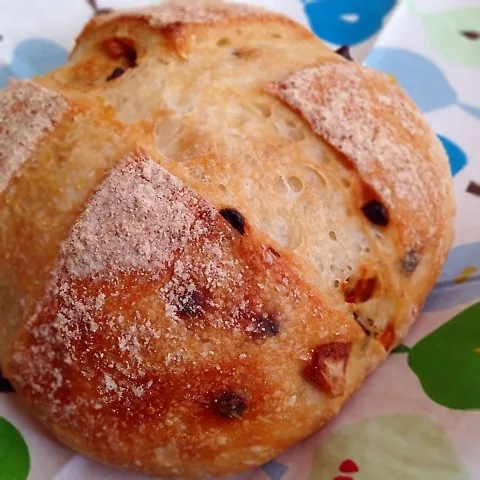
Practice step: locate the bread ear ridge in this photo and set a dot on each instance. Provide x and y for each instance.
(355, 109)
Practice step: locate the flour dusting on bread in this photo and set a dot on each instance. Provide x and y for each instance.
(376, 130)
(128, 315)
(196, 12)
(193, 313)
(27, 112)
(137, 220)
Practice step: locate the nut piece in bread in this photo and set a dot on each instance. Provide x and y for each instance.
(213, 229)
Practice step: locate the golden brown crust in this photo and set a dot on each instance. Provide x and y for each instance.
(177, 15)
(66, 166)
(180, 22)
(27, 113)
(367, 117)
(211, 306)
(405, 187)
(193, 306)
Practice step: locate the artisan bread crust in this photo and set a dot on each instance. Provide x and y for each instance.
(27, 113)
(222, 259)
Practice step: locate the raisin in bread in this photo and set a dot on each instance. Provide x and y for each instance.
(213, 227)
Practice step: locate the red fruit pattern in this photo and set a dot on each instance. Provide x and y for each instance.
(347, 466)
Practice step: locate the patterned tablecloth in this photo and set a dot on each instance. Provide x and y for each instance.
(418, 416)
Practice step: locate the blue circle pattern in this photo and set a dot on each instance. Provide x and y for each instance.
(456, 155)
(275, 470)
(426, 84)
(34, 56)
(346, 22)
(448, 292)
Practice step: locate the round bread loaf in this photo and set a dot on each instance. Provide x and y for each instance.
(213, 227)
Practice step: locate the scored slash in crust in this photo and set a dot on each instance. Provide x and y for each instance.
(370, 120)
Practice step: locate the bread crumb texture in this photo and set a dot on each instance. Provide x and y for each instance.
(373, 123)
